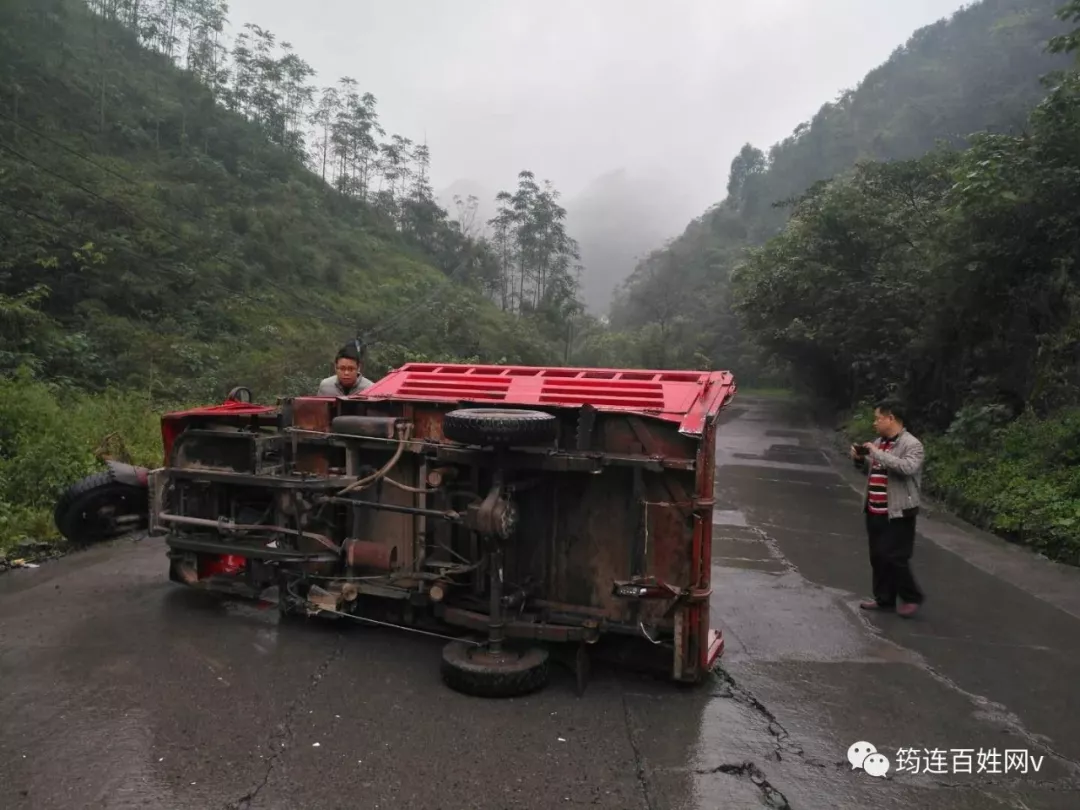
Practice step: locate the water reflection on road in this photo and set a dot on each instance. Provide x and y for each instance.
(121, 689)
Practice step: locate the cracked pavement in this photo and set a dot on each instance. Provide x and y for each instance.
(120, 689)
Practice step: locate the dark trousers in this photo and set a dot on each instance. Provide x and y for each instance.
(892, 542)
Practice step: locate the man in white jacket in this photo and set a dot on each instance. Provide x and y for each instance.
(348, 375)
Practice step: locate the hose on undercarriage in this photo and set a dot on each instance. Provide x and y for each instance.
(404, 432)
(380, 474)
(407, 488)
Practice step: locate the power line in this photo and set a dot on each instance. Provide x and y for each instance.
(74, 248)
(83, 156)
(68, 149)
(145, 262)
(326, 316)
(416, 307)
(381, 328)
(86, 190)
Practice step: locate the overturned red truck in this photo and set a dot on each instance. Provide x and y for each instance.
(510, 509)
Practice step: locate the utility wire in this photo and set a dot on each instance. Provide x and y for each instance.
(86, 190)
(326, 316)
(146, 263)
(83, 156)
(416, 307)
(167, 273)
(68, 149)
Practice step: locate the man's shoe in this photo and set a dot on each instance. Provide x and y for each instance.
(871, 605)
(907, 609)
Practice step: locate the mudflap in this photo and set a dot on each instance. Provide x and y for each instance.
(129, 474)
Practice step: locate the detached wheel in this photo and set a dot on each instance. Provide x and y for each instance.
(499, 426)
(99, 507)
(239, 394)
(474, 670)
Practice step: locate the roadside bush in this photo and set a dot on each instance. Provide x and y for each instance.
(1021, 481)
(858, 425)
(51, 437)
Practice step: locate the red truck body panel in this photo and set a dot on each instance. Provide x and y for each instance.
(644, 518)
(687, 398)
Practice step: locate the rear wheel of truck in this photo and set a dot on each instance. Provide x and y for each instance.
(99, 507)
(499, 426)
(475, 670)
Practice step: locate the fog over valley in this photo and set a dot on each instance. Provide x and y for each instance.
(632, 109)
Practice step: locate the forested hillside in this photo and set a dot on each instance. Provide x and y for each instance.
(182, 214)
(919, 239)
(950, 281)
(976, 72)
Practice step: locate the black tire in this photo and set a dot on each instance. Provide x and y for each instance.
(499, 426)
(239, 394)
(524, 672)
(87, 511)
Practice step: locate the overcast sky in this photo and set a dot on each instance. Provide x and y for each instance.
(572, 89)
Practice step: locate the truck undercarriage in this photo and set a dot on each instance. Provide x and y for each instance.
(507, 508)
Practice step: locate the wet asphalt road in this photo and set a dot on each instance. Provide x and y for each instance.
(118, 689)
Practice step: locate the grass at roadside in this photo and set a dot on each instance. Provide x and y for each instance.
(1017, 478)
(50, 438)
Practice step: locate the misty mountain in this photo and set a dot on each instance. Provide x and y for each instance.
(617, 220)
(248, 248)
(979, 70)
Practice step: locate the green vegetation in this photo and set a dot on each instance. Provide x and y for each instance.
(976, 72)
(181, 216)
(1021, 480)
(951, 281)
(50, 437)
(884, 249)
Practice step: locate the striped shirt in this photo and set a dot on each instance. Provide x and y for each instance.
(878, 493)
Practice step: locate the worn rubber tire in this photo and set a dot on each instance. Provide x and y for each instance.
(235, 396)
(83, 498)
(528, 674)
(499, 426)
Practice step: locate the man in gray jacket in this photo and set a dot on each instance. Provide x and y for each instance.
(349, 374)
(891, 499)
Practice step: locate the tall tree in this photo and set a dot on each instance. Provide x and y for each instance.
(537, 256)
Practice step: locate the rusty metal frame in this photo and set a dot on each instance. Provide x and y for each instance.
(658, 451)
(538, 631)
